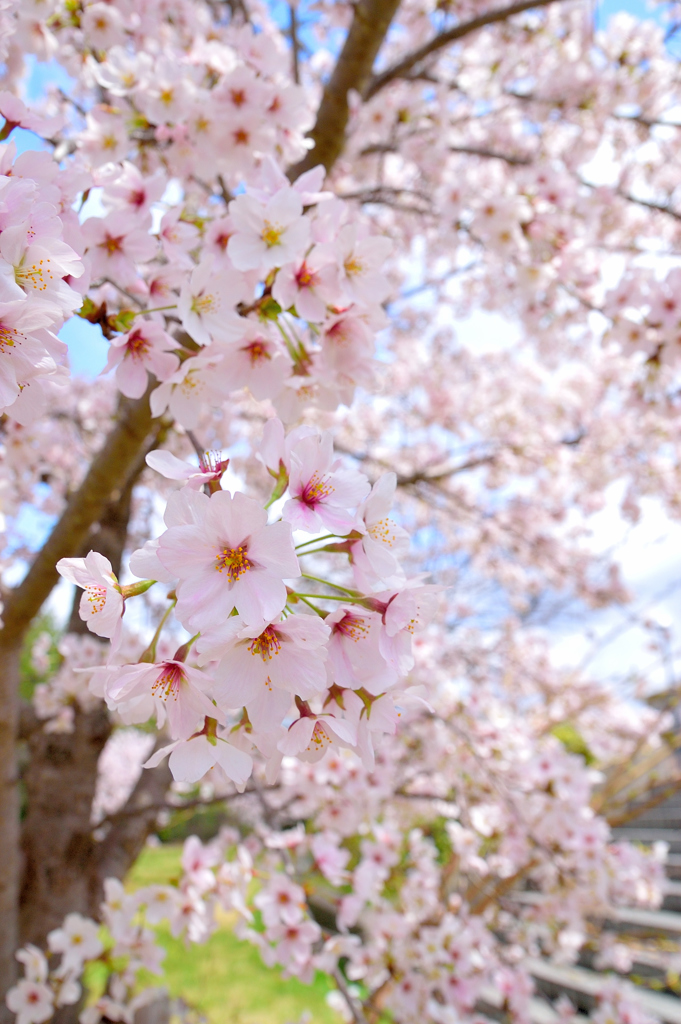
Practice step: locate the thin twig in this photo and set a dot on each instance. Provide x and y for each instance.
(353, 1004)
(295, 43)
(438, 42)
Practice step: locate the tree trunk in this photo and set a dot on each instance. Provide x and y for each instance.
(9, 818)
(59, 850)
(60, 854)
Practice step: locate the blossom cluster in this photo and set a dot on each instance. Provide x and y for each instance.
(280, 294)
(449, 851)
(38, 269)
(173, 84)
(273, 669)
(416, 945)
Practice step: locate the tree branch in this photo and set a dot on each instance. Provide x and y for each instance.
(438, 42)
(353, 1005)
(134, 433)
(370, 24)
(295, 43)
(490, 154)
(167, 805)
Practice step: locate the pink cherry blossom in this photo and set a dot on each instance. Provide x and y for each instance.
(32, 1002)
(190, 759)
(178, 692)
(267, 235)
(101, 605)
(355, 657)
(310, 285)
(263, 669)
(230, 559)
(257, 361)
(145, 349)
(323, 493)
(310, 736)
(210, 469)
(207, 304)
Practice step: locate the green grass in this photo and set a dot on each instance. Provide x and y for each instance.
(225, 979)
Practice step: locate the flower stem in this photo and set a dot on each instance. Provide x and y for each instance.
(315, 540)
(326, 583)
(150, 653)
(156, 309)
(310, 605)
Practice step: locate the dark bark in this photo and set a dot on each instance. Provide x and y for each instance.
(414, 61)
(370, 24)
(59, 851)
(9, 821)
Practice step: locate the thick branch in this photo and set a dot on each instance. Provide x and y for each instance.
(134, 432)
(369, 27)
(438, 42)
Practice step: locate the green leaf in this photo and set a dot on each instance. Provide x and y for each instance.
(573, 741)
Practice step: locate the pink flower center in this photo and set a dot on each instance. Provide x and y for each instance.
(8, 337)
(352, 626)
(257, 352)
(168, 682)
(97, 598)
(211, 462)
(112, 245)
(381, 531)
(266, 645)
(316, 490)
(137, 345)
(271, 234)
(320, 738)
(33, 276)
(234, 561)
(305, 276)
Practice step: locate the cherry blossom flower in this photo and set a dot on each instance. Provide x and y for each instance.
(310, 736)
(355, 657)
(257, 361)
(32, 1001)
(178, 692)
(230, 559)
(360, 261)
(191, 759)
(263, 669)
(77, 940)
(267, 235)
(322, 491)
(404, 612)
(185, 391)
(379, 551)
(210, 469)
(310, 286)
(144, 349)
(101, 605)
(206, 304)
(116, 244)
(281, 901)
